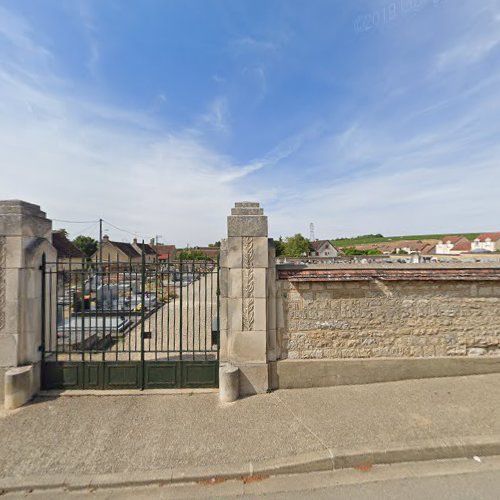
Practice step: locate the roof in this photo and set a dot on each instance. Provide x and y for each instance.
(65, 248)
(148, 249)
(491, 236)
(317, 244)
(166, 251)
(391, 246)
(452, 239)
(463, 246)
(126, 248)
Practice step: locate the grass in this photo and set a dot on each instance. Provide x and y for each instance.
(360, 240)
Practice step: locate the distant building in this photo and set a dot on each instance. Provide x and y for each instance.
(68, 254)
(165, 252)
(426, 247)
(453, 245)
(322, 248)
(117, 251)
(488, 242)
(149, 251)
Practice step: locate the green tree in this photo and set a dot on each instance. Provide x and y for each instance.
(191, 254)
(86, 244)
(296, 246)
(356, 251)
(279, 244)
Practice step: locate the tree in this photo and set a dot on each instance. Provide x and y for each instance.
(296, 246)
(191, 254)
(280, 247)
(86, 244)
(356, 251)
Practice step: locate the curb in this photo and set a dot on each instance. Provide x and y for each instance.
(325, 460)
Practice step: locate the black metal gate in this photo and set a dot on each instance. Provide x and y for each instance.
(120, 325)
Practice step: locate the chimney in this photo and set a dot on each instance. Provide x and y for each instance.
(134, 241)
(152, 242)
(105, 238)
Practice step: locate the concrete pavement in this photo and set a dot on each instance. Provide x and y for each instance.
(164, 438)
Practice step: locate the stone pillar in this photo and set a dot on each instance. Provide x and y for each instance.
(25, 235)
(247, 281)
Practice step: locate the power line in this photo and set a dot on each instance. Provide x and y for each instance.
(85, 230)
(120, 229)
(76, 221)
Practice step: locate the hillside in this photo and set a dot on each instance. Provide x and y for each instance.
(359, 240)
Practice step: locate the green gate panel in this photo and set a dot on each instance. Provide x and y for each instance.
(161, 374)
(122, 375)
(93, 375)
(62, 375)
(200, 374)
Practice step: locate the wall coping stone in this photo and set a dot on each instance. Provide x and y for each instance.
(392, 274)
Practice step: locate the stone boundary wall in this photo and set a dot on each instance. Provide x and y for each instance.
(387, 312)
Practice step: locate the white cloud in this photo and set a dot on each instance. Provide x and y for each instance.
(218, 116)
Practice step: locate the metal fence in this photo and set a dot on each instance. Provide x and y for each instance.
(112, 324)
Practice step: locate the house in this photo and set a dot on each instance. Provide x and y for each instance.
(149, 251)
(209, 252)
(453, 245)
(488, 242)
(165, 252)
(116, 251)
(69, 256)
(322, 248)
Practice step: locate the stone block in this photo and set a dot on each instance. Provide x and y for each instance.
(247, 204)
(247, 211)
(235, 313)
(224, 281)
(8, 349)
(260, 253)
(247, 347)
(238, 279)
(254, 379)
(234, 252)
(247, 225)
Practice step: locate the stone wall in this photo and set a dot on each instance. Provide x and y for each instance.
(332, 319)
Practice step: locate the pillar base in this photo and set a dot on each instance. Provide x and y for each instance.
(20, 385)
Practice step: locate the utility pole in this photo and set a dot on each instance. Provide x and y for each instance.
(100, 242)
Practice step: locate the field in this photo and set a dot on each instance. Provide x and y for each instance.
(359, 240)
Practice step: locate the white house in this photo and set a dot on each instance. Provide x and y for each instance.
(488, 242)
(322, 248)
(453, 245)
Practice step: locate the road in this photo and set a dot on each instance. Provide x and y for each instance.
(463, 479)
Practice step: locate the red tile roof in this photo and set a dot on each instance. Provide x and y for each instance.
(452, 239)
(491, 236)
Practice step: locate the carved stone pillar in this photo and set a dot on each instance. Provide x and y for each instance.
(247, 277)
(25, 235)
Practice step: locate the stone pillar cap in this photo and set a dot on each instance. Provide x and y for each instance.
(19, 207)
(246, 204)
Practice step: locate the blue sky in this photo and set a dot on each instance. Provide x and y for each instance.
(362, 117)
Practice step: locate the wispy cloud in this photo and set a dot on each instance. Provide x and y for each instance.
(218, 116)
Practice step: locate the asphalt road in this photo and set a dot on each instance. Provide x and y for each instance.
(465, 479)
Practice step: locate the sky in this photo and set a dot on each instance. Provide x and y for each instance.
(362, 116)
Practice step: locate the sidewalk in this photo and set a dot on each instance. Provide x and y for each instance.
(95, 435)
